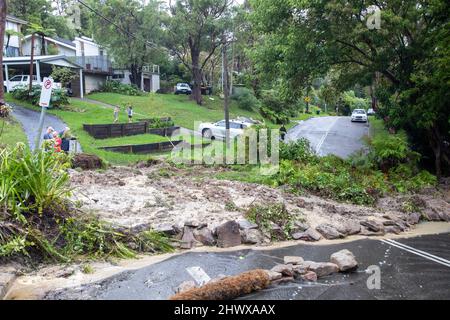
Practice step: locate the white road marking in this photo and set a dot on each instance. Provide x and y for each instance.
(420, 253)
(199, 275)
(322, 140)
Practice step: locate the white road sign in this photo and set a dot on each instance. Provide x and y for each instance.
(46, 92)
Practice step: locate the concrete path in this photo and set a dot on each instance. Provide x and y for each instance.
(29, 119)
(331, 135)
(409, 268)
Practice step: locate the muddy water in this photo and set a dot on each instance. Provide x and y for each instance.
(35, 285)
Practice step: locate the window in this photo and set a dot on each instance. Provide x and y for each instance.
(16, 78)
(220, 124)
(234, 125)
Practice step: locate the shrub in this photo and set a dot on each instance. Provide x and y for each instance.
(299, 150)
(5, 110)
(117, 87)
(245, 99)
(275, 213)
(59, 96)
(274, 108)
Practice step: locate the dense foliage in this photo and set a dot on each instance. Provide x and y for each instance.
(59, 96)
(117, 87)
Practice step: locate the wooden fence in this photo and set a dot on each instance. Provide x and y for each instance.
(144, 148)
(104, 131)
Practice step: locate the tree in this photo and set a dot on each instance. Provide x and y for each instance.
(63, 75)
(133, 39)
(2, 40)
(10, 33)
(305, 39)
(196, 26)
(34, 29)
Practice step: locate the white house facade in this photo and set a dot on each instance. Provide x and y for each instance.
(14, 45)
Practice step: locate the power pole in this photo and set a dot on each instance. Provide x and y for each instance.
(2, 40)
(226, 91)
(31, 64)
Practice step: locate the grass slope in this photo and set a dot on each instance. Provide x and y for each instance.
(11, 132)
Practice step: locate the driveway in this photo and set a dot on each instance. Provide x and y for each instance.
(29, 119)
(410, 268)
(331, 135)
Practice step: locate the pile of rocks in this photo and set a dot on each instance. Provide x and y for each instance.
(236, 232)
(296, 268)
(229, 234)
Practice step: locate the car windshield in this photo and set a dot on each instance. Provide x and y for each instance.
(183, 85)
(359, 111)
(16, 78)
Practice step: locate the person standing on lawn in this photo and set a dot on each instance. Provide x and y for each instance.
(116, 114)
(57, 141)
(130, 113)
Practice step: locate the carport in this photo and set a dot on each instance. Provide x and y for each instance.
(42, 67)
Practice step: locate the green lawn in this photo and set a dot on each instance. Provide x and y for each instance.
(183, 111)
(11, 132)
(79, 113)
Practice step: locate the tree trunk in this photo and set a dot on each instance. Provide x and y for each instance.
(2, 40)
(197, 76)
(436, 146)
(226, 92)
(136, 75)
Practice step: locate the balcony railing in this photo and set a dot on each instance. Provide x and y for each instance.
(95, 64)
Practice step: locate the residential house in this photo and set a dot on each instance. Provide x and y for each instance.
(12, 44)
(150, 77)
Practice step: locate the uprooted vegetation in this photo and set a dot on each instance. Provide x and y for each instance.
(389, 166)
(37, 219)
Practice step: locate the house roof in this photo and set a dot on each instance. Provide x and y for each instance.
(59, 60)
(16, 20)
(61, 41)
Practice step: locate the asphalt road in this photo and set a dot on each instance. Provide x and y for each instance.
(331, 135)
(29, 119)
(405, 273)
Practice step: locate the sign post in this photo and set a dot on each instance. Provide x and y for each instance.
(44, 102)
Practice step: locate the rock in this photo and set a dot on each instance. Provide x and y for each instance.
(293, 260)
(440, 208)
(205, 236)
(192, 224)
(284, 269)
(188, 239)
(329, 232)
(344, 259)
(299, 270)
(392, 229)
(351, 227)
(323, 268)
(185, 286)
(413, 218)
(283, 280)
(274, 275)
(167, 229)
(276, 231)
(310, 276)
(372, 225)
(368, 233)
(244, 224)
(252, 236)
(228, 235)
(300, 226)
(308, 235)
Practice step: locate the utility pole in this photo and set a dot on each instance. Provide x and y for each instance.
(2, 40)
(31, 64)
(226, 91)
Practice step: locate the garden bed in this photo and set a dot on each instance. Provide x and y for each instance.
(104, 131)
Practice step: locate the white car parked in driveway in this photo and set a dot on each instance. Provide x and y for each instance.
(359, 115)
(23, 80)
(217, 130)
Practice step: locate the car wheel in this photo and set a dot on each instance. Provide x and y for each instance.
(207, 134)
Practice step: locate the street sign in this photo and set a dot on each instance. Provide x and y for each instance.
(46, 92)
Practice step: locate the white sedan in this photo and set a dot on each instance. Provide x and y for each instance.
(217, 130)
(359, 115)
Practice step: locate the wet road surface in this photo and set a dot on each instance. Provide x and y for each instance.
(331, 135)
(29, 119)
(404, 272)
